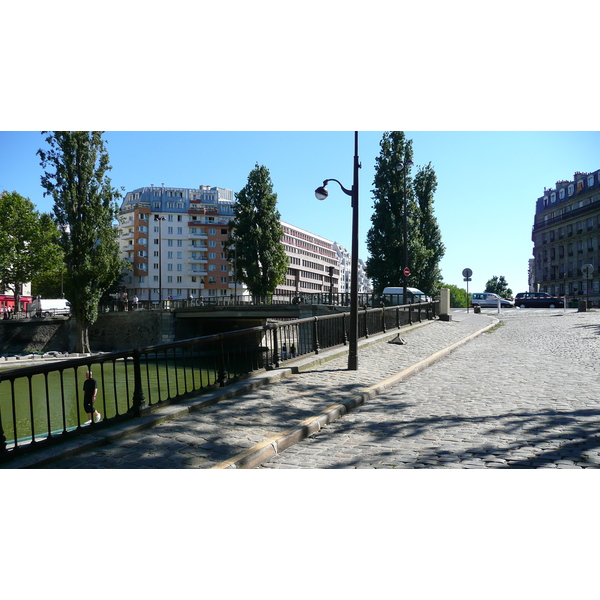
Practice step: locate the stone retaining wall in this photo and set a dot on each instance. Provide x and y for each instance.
(111, 332)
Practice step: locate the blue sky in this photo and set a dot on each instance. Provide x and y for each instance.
(197, 95)
(488, 182)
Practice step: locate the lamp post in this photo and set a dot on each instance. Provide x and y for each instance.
(159, 218)
(321, 193)
(402, 167)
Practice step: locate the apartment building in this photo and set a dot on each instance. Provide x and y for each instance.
(345, 262)
(566, 236)
(173, 238)
(313, 263)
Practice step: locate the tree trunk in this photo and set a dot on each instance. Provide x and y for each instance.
(82, 342)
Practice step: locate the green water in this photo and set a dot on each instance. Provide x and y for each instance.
(51, 406)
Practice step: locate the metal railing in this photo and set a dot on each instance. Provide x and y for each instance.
(42, 404)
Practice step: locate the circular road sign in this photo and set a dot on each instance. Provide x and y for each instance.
(406, 271)
(587, 270)
(467, 273)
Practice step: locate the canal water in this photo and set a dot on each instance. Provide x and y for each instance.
(54, 401)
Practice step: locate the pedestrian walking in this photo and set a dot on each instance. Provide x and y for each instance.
(293, 351)
(90, 389)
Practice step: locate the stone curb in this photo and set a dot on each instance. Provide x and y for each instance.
(264, 451)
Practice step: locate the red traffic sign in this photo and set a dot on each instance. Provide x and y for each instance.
(406, 272)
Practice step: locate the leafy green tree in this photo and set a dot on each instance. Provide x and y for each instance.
(28, 243)
(498, 285)
(48, 284)
(85, 208)
(458, 296)
(254, 246)
(385, 239)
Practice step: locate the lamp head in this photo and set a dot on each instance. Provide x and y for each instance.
(401, 164)
(321, 192)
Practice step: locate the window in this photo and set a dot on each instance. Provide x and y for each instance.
(571, 189)
(212, 267)
(212, 243)
(223, 279)
(590, 180)
(561, 194)
(224, 268)
(170, 267)
(212, 255)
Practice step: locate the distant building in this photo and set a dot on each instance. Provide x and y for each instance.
(173, 238)
(313, 263)
(345, 262)
(566, 236)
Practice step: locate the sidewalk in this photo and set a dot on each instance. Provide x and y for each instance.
(245, 424)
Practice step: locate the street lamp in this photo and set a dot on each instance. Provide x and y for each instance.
(402, 167)
(321, 193)
(159, 218)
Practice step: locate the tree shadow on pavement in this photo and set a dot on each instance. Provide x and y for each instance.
(529, 440)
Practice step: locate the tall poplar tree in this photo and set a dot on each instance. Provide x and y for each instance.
(428, 275)
(385, 238)
(254, 246)
(85, 208)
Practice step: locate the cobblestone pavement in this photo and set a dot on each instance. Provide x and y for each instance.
(207, 437)
(525, 395)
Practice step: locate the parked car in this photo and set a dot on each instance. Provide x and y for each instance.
(393, 296)
(538, 300)
(489, 300)
(49, 307)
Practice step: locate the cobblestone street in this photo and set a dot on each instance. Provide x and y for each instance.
(525, 395)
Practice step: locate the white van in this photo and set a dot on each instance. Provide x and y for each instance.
(393, 296)
(49, 307)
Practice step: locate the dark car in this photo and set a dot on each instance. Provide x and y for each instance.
(538, 300)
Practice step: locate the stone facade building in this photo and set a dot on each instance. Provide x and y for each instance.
(566, 237)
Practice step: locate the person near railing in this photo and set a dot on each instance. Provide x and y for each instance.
(90, 389)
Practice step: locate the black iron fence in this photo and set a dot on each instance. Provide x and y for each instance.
(43, 403)
(321, 298)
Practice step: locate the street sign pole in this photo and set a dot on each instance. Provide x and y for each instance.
(467, 274)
